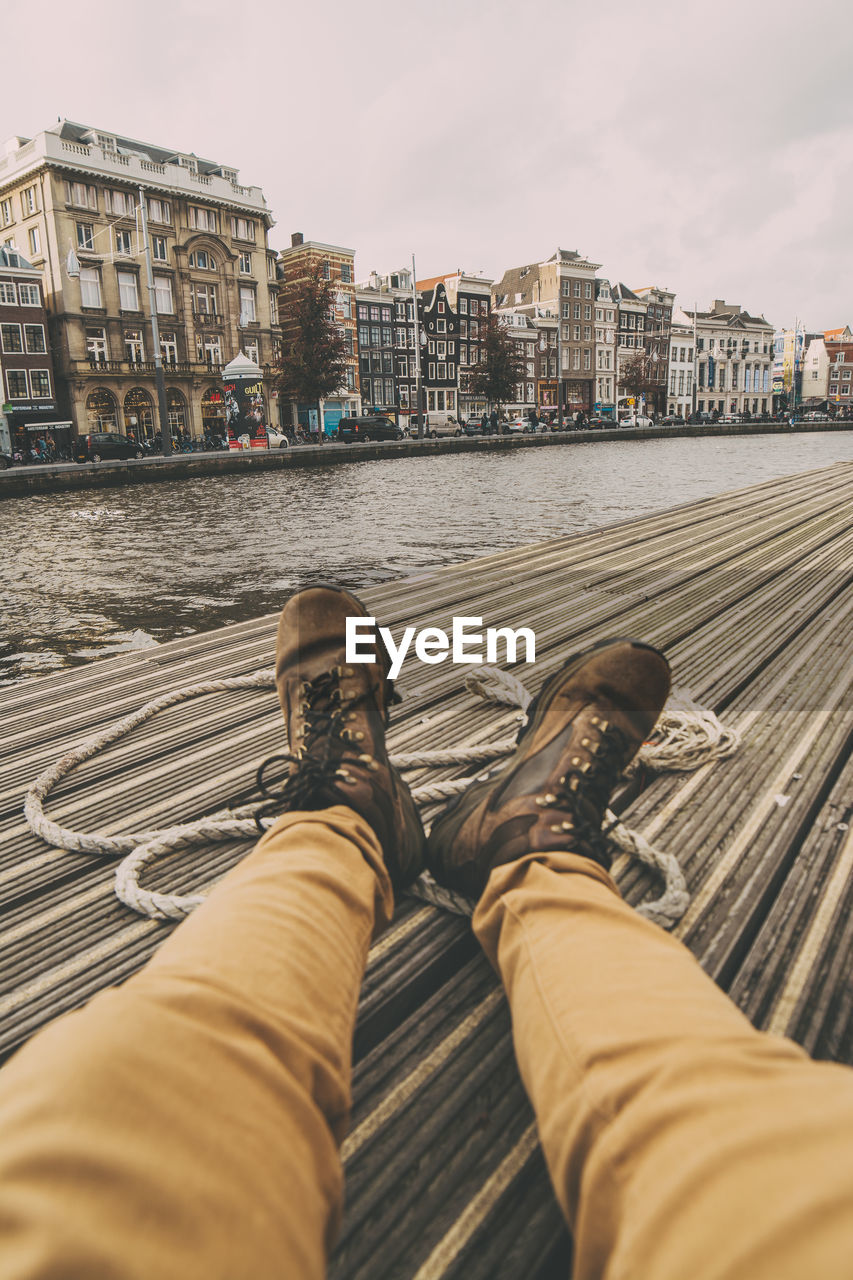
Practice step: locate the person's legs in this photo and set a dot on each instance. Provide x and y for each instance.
(682, 1144)
(680, 1141)
(186, 1124)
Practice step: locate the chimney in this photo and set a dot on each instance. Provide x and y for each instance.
(296, 238)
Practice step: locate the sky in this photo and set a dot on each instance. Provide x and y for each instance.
(707, 149)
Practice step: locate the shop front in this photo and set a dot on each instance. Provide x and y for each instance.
(35, 434)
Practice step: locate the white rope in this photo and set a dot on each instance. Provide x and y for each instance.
(686, 736)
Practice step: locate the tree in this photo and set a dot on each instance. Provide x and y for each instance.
(313, 361)
(501, 367)
(639, 376)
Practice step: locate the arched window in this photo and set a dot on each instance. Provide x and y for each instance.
(213, 410)
(101, 410)
(176, 407)
(203, 260)
(139, 414)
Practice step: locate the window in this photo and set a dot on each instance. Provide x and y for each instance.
(159, 211)
(576, 311)
(587, 290)
(120, 202)
(16, 383)
(34, 336)
(247, 306)
(96, 345)
(576, 359)
(85, 239)
(441, 308)
(133, 347)
(245, 264)
(35, 241)
(203, 260)
(163, 295)
(128, 291)
(6, 212)
(587, 312)
(204, 299)
(29, 295)
(203, 219)
(158, 248)
(28, 201)
(209, 350)
(8, 297)
(40, 384)
(577, 288)
(587, 332)
(90, 287)
(123, 243)
(587, 359)
(10, 337)
(81, 193)
(244, 229)
(431, 372)
(576, 332)
(169, 348)
(346, 272)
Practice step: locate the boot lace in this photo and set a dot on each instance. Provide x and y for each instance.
(585, 792)
(317, 764)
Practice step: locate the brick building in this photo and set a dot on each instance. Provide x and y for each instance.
(337, 265)
(28, 393)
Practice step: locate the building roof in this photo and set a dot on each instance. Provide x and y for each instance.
(11, 258)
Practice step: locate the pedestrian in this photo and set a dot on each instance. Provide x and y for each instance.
(493, 421)
(188, 1123)
(484, 423)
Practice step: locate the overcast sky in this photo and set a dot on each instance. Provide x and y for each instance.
(704, 148)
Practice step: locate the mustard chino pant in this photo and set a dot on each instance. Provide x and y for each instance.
(187, 1124)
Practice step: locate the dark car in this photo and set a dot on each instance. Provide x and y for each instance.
(672, 420)
(473, 426)
(106, 444)
(351, 430)
(5, 461)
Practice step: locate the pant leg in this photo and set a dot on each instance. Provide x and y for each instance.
(186, 1124)
(682, 1143)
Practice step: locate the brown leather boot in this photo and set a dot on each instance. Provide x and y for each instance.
(336, 715)
(587, 722)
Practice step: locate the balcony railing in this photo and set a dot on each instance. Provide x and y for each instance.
(125, 367)
(207, 318)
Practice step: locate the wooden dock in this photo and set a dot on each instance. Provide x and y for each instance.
(749, 595)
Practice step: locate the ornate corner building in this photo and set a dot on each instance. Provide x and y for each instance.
(70, 198)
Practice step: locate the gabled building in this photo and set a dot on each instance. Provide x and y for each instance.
(71, 196)
(440, 326)
(468, 301)
(659, 304)
(605, 350)
(631, 352)
(383, 301)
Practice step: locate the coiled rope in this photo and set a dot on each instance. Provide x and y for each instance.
(685, 737)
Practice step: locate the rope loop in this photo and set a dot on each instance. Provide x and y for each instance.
(685, 737)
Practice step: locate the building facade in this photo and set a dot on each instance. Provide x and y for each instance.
(73, 193)
(337, 265)
(632, 363)
(28, 404)
(839, 350)
(605, 350)
(659, 305)
(439, 321)
(681, 366)
(565, 283)
(734, 360)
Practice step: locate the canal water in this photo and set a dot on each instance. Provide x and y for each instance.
(90, 574)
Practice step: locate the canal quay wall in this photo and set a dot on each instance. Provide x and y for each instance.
(18, 482)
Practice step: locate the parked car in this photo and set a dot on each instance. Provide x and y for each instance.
(100, 445)
(277, 439)
(353, 430)
(672, 420)
(731, 417)
(449, 427)
(600, 424)
(473, 426)
(518, 423)
(639, 421)
(5, 461)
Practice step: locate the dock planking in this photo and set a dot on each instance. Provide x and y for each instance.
(749, 595)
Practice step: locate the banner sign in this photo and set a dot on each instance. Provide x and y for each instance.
(244, 408)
